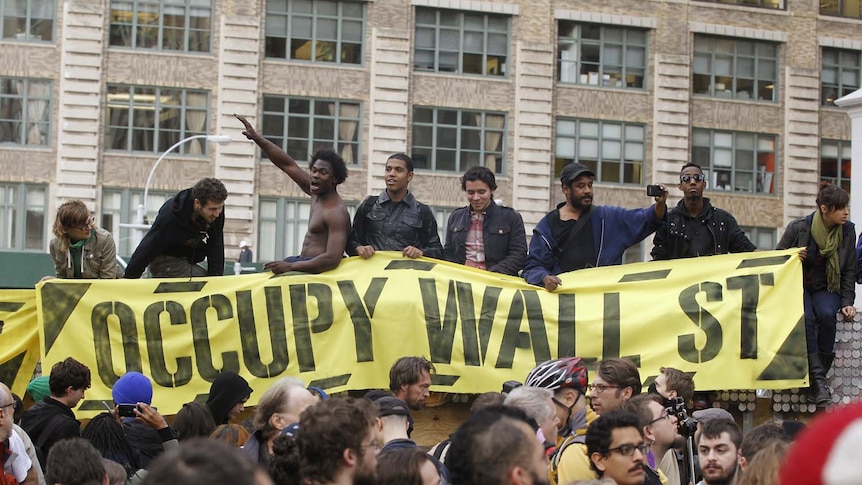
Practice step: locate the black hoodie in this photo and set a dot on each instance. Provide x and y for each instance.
(53, 419)
(228, 389)
(175, 234)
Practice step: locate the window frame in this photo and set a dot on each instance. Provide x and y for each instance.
(754, 234)
(734, 92)
(25, 99)
(597, 166)
(839, 12)
(127, 212)
(290, 222)
(843, 155)
(14, 233)
(579, 63)
(313, 142)
(749, 3)
(733, 149)
(839, 68)
(29, 20)
(315, 16)
(458, 151)
(195, 148)
(461, 51)
(136, 26)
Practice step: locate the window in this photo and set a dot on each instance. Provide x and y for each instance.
(841, 8)
(451, 140)
(28, 20)
(171, 25)
(840, 75)
(22, 216)
(762, 237)
(835, 163)
(599, 55)
(735, 160)
(316, 31)
(637, 253)
(735, 68)
(120, 206)
(777, 4)
(25, 111)
(613, 151)
(300, 126)
(152, 119)
(461, 42)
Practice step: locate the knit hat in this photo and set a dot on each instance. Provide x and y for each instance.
(133, 388)
(228, 389)
(39, 388)
(318, 392)
(827, 453)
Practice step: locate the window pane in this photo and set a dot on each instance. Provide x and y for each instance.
(460, 42)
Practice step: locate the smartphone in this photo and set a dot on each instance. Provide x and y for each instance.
(127, 410)
(653, 190)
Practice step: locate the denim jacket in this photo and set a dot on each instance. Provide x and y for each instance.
(392, 226)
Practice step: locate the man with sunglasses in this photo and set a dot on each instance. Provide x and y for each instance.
(617, 450)
(695, 227)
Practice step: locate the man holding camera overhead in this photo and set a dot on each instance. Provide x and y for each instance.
(579, 235)
(696, 228)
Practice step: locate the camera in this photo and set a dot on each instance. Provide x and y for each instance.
(127, 410)
(654, 190)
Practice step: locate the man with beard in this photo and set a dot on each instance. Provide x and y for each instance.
(694, 227)
(395, 220)
(497, 445)
(617, 449)
(338, 442)
(410, 380)
(189, 228)
(718, 452)
(328, 221)
(578, 235)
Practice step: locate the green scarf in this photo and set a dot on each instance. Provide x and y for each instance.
(828, 241)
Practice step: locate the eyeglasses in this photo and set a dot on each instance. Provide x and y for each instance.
(663, 416)
(373, 445)
(600, 388)
(698, 177)
(87, 225)
(629, 450)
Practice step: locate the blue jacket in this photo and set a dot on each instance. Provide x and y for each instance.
(614, 230)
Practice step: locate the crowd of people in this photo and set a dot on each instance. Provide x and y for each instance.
(555, 428)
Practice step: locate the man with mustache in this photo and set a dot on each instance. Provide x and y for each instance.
(578, 235)
(618, 451)
(718, 452)
(696, 228)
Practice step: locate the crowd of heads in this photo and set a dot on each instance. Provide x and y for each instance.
(556, 428)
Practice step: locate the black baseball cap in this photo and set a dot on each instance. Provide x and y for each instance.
(392, 406)
(574, 170)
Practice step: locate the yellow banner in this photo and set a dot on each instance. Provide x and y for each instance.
(735, 321)
(19, 338)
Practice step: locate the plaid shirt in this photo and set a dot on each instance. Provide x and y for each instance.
(475, 243)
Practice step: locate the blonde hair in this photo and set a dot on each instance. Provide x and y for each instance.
(764, 466)
(70, 214)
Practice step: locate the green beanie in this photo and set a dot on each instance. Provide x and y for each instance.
(39, 388)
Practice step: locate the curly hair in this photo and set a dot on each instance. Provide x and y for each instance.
(483, 174)
(209, 190)
(67, 373)
(330, 427)
(339, 168)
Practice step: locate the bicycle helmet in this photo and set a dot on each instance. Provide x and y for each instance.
(559, 373)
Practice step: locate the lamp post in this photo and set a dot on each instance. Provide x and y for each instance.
(139, 224)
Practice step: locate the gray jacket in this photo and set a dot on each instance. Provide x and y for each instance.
(98, 257)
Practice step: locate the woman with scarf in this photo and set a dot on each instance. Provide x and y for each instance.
(828, 277)
(79, 249)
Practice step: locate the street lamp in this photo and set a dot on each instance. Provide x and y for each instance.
(139, 224)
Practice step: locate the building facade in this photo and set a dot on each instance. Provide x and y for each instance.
(92, 92)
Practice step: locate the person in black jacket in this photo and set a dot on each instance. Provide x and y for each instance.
(52, 419)
(189, 228)
(828, 277)
(484, 234)
(695, 227)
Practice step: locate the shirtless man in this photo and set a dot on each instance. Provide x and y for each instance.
(329, 221)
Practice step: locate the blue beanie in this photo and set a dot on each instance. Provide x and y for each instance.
(133, 388)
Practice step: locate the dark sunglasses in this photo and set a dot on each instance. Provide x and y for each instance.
(698, 177)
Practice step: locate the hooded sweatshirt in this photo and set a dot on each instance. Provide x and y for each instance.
(228, 389)
(54, 419)
(174, 233)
